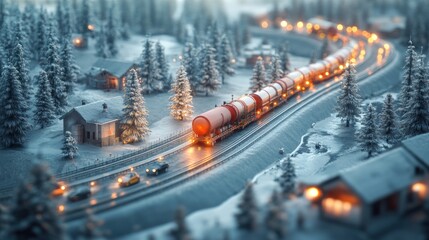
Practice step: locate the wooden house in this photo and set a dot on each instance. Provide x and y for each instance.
(109, 74)
(96, 123)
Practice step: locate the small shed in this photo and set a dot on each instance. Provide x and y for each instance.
(96, 123)
(109, 74)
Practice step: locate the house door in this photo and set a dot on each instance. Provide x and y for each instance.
(113, 83)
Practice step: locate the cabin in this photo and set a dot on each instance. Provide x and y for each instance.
(254, 52)
(109, 74)
(96, 123)
(375, 194)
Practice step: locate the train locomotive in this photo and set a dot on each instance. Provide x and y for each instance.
(219, 122)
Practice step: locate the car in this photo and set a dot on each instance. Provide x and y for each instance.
(79, 193)
(157, 168)
(128, 179)
(59, 190)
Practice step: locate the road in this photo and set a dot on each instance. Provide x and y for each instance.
(213, 187)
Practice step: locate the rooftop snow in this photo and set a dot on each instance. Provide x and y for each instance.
(382, 175)
(419, 146)
(117, 68)
(93, 112)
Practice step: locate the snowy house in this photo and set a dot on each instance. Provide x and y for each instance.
(374, 195)
(96, 123)
(263, 52)
(109, 74)
(388, 26)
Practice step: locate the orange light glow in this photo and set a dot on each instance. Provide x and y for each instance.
(320, 76)
(341, 67)
(309, 25)
(349, 29)
(92, 183)
(283, 23)
(61, 208)
(298, 88)
(374, 36)
(300, 24)
(93, 202)
(340, 27)
(265, 24)
(327, 73)
(307, 83)
(316, 27)
(420, 189)
(354, 29)
(387, 46)
(312, 193)
(91, 27)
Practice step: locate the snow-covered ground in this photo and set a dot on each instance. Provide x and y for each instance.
(338, 151)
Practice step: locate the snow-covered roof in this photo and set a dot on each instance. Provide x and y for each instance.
(419, 146)
(93, 112)
(117, 68)
(382, 175)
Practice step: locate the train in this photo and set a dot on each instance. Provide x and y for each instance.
(217, 123)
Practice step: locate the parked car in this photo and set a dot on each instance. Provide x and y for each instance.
(128, 179)
(79, 193)
(157, 168)
(59, 189)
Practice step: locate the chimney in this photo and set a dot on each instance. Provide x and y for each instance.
(83, 102)
(104, 107)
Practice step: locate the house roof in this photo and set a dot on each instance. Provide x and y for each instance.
(382, 175)
(93, 112)
(116, 68)
(419, 147)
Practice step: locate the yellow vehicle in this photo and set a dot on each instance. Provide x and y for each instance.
(59, 190)
(128, 179)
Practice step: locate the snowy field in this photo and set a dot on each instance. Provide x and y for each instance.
(338, 152)
(45, 144)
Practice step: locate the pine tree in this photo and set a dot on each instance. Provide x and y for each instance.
(275, 220)
(60, 17)
(19, 62)
(84, 22)
(226, 59)
(125, 19)
(367, 135)
(34, 213)
(181, 231)
(67, 31)
(284, 58)
(416, 119)
(69, 67)
(313, 58)
(324, 50)
(349, 99)
(134, 124)
(54, 72)
(410, 70)
(13, 117)
(111, 35)
(258, 81)
(69, 149)
(6, 44)
(44, 114)
(181, 102)
(247, 216)
(275, 69)
(101, 47)
(209, 76)
(190, 61)
(150, 72)
(29, 22)
(20, 37)
(287, 178)
(162, 64)
(388, 120)
(41, 39)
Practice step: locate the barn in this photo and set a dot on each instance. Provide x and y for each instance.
(96, 123)
(109, 74)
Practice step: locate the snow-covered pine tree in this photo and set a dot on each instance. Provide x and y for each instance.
(275, 220)
(59, 15)
(101, 46)
(226, 65)
(69, 149)
(162, 64)
(111, 34)
(287, 178)
(276, 71)
(19, 36)
(67, 31)
(69, 67)
(84, 21)
(29, 23)
(313, 58)
(134, 124)
(5, 221)
(190, 61)
(18, 60)
(209, 76)
(284, 58)
(409, 75)
(13, 118)
(181, 231)
(324, 50)
(44, 114)
(247, 216)
(367, 135)
(34, 213)
(125, 17)
(5, 41)
(181, 102)
(348, 102)
(150, 72)
(258, 81)
(52, 66)
(40, 41)
(416, 118)
(388, 120)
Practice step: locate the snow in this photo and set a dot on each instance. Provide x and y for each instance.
(93, 112)
(418, 145)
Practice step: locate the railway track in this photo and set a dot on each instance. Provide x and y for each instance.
(220, 156)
